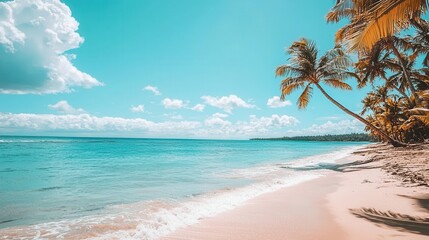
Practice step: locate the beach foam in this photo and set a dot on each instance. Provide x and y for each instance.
(323, 159)
(152, 219)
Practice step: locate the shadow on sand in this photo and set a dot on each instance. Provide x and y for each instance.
(401, 222)
(346, 167)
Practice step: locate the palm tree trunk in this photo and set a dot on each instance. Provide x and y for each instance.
(392, 141)
(404, 69)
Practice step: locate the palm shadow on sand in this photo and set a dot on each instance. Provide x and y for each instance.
(400, 222)
(346, 167)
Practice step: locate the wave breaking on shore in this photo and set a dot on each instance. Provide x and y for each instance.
(157, 218)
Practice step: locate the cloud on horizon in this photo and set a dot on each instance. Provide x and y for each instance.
(330, 127)
(215, 126)
(34, 38)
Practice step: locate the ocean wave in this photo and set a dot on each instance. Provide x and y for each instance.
(152, 219)
(270, 170)
(331, 158)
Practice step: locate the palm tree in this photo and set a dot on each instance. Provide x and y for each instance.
(377, 21)
(373, 20)
(376, 64)
(306, 70)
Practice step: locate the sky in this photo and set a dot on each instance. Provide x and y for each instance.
(161, 68)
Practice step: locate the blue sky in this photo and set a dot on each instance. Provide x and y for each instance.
(160, 68)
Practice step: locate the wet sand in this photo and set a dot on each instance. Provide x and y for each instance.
(362, 200)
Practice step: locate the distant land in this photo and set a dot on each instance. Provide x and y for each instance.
(353, 137)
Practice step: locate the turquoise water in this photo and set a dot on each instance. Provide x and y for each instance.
(47, 179)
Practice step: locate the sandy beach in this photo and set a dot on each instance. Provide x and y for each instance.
(379, 192)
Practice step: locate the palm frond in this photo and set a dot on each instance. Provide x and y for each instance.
(286, 70)
(342, 9)
(337, 84)
(289, 85)
(305, 96)
(382, 19)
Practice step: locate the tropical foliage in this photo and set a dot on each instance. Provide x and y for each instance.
(353, 137)
(374, 20)
(393, 62)
(306, 70)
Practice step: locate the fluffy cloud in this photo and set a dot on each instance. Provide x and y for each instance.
(329, 127)
(198, 107)
(215, 126)
(34, 36)
(66, 108)
(217, 119)
(86, 122)
(173, 103)
(273, 121)
(137, 109)
(226, 103)
(275, 102)
(152, 89)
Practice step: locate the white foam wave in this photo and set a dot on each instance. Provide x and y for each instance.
(153, 219)
(270, 170)
(327, 158)
(167, 220)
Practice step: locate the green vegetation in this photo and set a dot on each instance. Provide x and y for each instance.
(395, 64)
(354, 137)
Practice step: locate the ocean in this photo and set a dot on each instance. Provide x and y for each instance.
(116, 188)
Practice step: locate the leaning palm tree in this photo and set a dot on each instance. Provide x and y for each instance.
(373, 20)
(306, 70)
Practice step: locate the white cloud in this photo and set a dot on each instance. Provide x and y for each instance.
(226, 103)
(273, 121)
(66, 108)
(137, 109)
(217, 119)
(86, 122)
(9, 34)
(220, 115)
(198, 107)
(275, 102)
(329, 127)
(215, 126)
(173, 103)
(152, 89)
(34, 36)
(254, 127)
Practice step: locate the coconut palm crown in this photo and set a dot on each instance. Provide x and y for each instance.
(373, 20)
(305, 70)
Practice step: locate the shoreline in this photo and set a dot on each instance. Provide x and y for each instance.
(319, 207)
(154, 219)
(344, 204)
